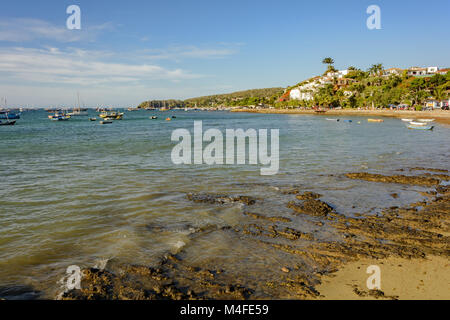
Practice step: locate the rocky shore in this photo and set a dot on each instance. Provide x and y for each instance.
(414, 235)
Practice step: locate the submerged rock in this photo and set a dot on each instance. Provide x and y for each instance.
(308, 196)
(416, 180)
(311, 207)
(220, 199)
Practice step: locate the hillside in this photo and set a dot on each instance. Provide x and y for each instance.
(239, 98)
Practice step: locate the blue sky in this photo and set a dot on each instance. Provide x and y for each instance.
(131, 51)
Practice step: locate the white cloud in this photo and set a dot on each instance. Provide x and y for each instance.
(78, 67)
(193, 52)
(27, 29)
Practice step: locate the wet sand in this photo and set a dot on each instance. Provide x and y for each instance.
(410, 244)
(440, 116)
(401, 279)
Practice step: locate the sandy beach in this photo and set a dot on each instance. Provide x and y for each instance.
(440, 116)
(402, 279)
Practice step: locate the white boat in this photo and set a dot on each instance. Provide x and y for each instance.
(426, 120)
(407, 120)
(78, 112)
(414, 123)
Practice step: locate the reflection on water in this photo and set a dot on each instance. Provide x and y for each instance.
(77, 192)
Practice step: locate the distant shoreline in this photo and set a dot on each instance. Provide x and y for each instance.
(440, 116)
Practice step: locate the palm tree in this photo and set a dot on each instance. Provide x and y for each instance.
(328, 61)
(439, 93)
(376, 69)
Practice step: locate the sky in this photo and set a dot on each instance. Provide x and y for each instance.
(131, 51)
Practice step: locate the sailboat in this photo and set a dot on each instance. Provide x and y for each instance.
(7, 114)
(77, 112)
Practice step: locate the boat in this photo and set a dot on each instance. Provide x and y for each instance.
(59, 117)
(168, 119)
(375, 120)
(105, 122)
(7, 123)
(7, 115)
(173, 117)
(111, 115)
(328, 119)
(320, 111)
(420, 127)
(92, 119)
(153, 117)
(414, 123)
(407, 120)
(426, 120)
(347, 121)
(78, 112)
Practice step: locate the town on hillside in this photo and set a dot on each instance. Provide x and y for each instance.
(415, 88)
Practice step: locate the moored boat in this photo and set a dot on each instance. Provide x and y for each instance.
(420, 127)
(375, 120)
(7, 123)
(105, 122)
(414, 123)
(426, 120)
(407, 120)
(113, 115)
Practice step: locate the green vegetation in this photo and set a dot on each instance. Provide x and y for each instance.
(371, 88)
(240, 98)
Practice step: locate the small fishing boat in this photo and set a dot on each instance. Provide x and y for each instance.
(349, 121)
(375, 120)
(332, 119)
(92, 119)
(59, 117)
(173, 117)
(426, 120)
(168, 119)
(6, 115)
(414, 123)
(153, 117)
(407, 120)
(7, 123)
(420, 127)
(105, 122)
(114, 115)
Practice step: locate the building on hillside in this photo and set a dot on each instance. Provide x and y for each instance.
(297, 94)
(393, 72)
(338, 74)
(342, 83)
(443, 71)
(418, 71)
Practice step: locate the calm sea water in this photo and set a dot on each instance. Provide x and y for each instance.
(78, 192)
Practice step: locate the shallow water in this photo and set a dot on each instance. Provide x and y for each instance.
(77, 192)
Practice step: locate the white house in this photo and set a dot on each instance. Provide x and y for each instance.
(417, 71)
(297, 94)
(338, 74)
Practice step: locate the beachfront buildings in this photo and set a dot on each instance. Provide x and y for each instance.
(419, 71)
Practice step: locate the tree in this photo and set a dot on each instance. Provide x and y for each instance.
(376, 69)
(328, 61)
